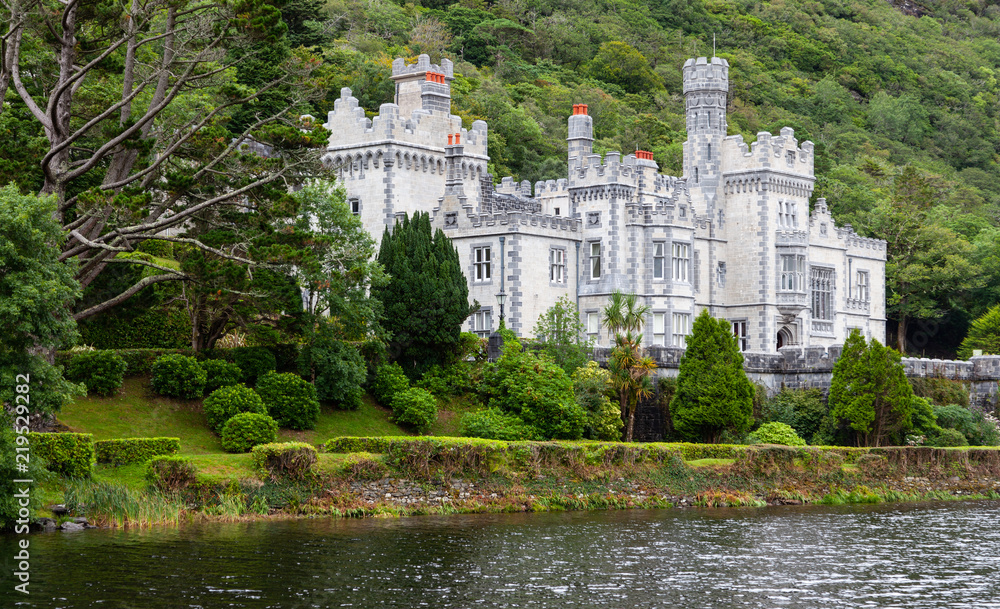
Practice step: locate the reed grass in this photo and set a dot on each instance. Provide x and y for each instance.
(115, 505)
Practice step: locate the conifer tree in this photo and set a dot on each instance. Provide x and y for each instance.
(713, 392)
(870, 391)
(426, 299)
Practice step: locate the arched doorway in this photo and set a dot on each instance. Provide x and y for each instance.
(784, 338)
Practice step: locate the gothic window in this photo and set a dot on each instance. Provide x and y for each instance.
(659, 328)
(481, 263)
(821, 285)
(659, 259)
(741, 334)
(482, 322)
(863, 290)
(557, 265)
(790, 157)
(793, 269)
(681, 329)
(595, 260)
(681, 261)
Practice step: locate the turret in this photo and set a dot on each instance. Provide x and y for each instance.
(581, 135)
(705, 88)
(423, 85)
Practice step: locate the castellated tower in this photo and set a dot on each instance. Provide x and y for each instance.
(706, 86)
(581, 135)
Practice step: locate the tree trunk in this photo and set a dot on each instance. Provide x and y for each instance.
(631, 422)
(901, 335)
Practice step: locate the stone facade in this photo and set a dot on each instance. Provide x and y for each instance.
(734, 234)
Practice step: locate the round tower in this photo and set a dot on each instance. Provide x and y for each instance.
(706, 84)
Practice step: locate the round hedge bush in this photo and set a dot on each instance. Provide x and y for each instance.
(495, 424)
(776, 432)
(227, 402)
(178, 376)
(389, 380)
(948, 437)
(101, 371)
(415, 408)
(221, 373)
(248, 429)
(290, 399)
(255, 362)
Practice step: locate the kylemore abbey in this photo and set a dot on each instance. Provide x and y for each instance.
(733, 234)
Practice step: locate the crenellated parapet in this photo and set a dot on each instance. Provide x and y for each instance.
(770, 153)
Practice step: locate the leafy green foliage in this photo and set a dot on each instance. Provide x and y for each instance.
(984, 335)
(134, 450)
(776, 432)
(426, 299)
(248, 429)
(389, 380)
(220, 373)
(629, 366)
(870, 391)
(457, 378)
(171, 473)
(974, 425)
(101, 371)
(290, 399)
(9, 503)
(70, 454)
(561, 334)
(254, 362)
(941, 391)
(591, 386)
(713, 393)
(151, 328)
(227, 402)
(495, 424)
(948, 437)
(335, 367)
(35, 293)
(415, 408)
(284, 460)
(535, 390)
(802, 409)
(178, 376)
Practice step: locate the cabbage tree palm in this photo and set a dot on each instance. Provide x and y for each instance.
(629, 366)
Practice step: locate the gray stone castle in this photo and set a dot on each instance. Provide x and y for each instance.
(734, 234)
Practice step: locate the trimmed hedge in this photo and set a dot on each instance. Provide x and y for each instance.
(287, 459)
(248, 429)
(227, 402)
(171, 473)
(220, 373)
(290, 399)
(415, 408)
(101, 371)
(70, 454)
(134, 450)
(137, 361)
(178, 376)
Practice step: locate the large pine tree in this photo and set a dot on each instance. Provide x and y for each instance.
(713, 392)
(426, 299)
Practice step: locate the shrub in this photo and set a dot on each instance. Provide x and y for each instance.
(290, 399)
(941, 391)
(134, 450)
(10, 506)
(389, 380)
(245, 430)
(336, 369)
(290, 459)
(494, 424)
(591, 385)
(155, 328)
(254, 362)
(947, 437)
(220, 373)
(157, 247)
(70, 454)
(415, 408)
(227, 402)
(776, 432)
(802, 409)
(453, 379)
(178, 376)
(977, 428)
(101, 371)
(171, 473)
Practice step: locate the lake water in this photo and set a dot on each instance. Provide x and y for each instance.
(928, 555)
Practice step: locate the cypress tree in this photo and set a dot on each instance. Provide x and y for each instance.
(713, 392)
(426, 299)
(870, 391)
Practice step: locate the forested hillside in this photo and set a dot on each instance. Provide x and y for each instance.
(900, 98)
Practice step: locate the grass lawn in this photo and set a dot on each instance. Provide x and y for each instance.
(138, 412)
(710, 462)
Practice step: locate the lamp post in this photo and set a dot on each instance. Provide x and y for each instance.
(501, 299)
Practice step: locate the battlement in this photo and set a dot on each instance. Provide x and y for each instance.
(701, 74)
(400, 70)
(781, 153)
(560, 225)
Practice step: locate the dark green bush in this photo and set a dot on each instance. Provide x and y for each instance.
(947, 437)
(776, 432)
(389, 380)
(155, 328)
(286, 356)
(591, 385)
(171, 473)
(134, 450)
(70, 454)
(941, 391)
(289, 460)
(290, 399)
(352, 444)
(10, 470)
(453, 379)
(494, 424)
(336, 369)
(220, 373)
(102, 371)
(415, 408)
(802, 409)
(226, 402)
(245, 430)
(178, 376)
(157, 247)
(977, 428)
(254, 362)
